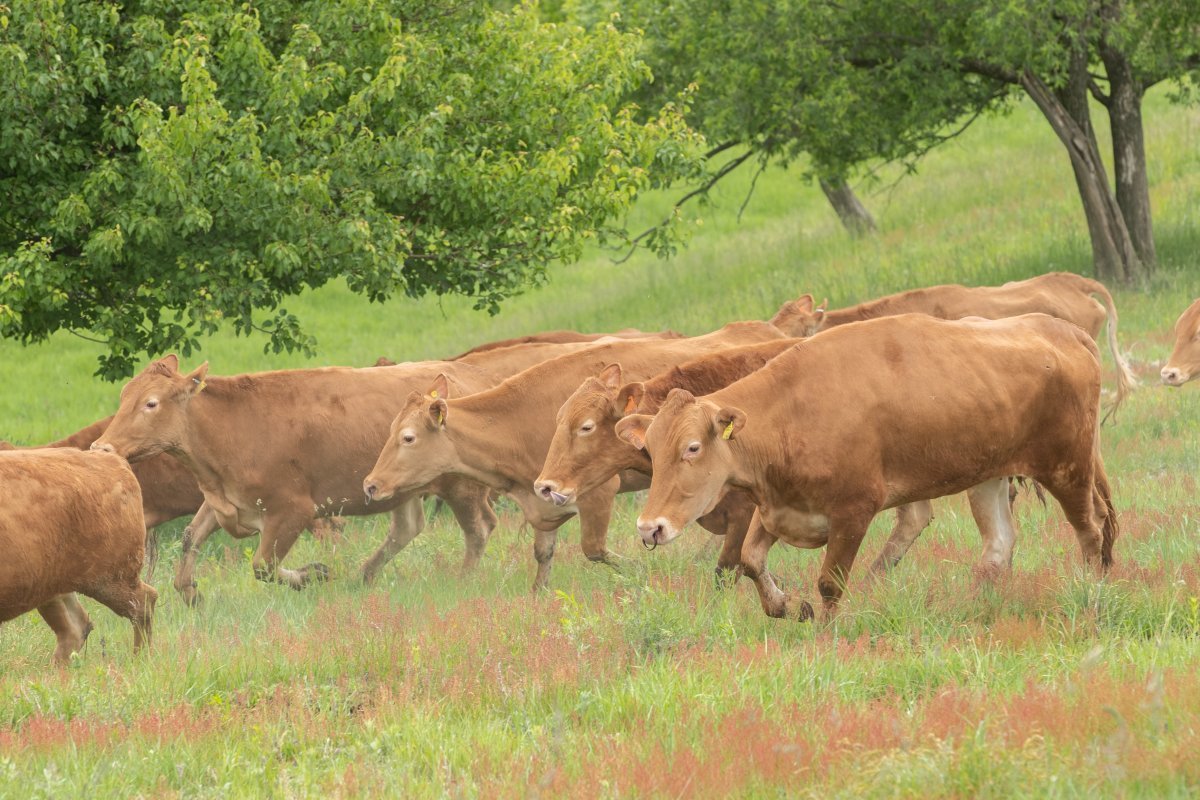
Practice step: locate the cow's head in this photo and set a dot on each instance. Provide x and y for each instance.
(585, 451)
(417, 449)
(152, 417)
(691, 443)
(798, 318)
(1184, 363)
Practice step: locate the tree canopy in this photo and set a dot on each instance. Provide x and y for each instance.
(172, 166)
(853, 82)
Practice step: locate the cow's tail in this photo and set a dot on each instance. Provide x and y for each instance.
(1103, 502)
(1126, 381)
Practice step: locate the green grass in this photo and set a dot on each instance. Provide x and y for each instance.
(653, 682)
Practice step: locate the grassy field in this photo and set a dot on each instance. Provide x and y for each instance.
(652, 682)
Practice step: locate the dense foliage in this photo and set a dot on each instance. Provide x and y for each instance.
(172, 165)
(849, 83)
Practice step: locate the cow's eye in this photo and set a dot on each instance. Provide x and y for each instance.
(409, 438)
(693, 448)
(152, 403)
(587, 427)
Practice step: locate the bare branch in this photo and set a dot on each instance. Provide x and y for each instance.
(726, 168)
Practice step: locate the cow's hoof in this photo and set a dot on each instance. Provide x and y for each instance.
(315, 572)
(803, 612)
(194, 600)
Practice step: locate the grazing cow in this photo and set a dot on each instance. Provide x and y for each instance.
(871, 416)
(1184, 363)
(500, 436)
(273, 450)
(1060, 294)
(71, 521)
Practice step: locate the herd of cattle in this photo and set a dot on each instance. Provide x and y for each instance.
(801, 429)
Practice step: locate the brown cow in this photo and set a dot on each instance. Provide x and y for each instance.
(72, 521)
(871, 416)
(169, 491)
(565, 337)
(500, 436)
(1184, 363)
(1060, 294)
(273, 450)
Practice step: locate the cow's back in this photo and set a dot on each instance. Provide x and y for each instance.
(922, 396)
(68, 520)
(316, 430)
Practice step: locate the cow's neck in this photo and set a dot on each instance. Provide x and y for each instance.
(495, 437)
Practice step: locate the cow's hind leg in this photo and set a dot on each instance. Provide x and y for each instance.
(408, 520)
(1078, 499)
(911, 520)
(991, 505)
(132, 600)
(70, 623)
(278, 534)
(774, 601)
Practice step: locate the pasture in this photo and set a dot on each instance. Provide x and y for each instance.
(653, 682)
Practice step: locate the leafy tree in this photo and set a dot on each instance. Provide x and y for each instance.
(854, 81)
(170, 166)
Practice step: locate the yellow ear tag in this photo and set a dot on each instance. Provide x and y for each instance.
(725, 434)
(433, 393)
(200, 384)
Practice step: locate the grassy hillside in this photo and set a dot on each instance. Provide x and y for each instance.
(652, 682)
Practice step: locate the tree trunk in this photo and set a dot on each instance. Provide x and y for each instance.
(1129, 152)
(849, 208)
(1113, 254)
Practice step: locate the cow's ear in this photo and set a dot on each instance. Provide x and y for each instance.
(167, 366)
(195, 380)
(629, 397)
(729, 422)
(440, 387)
(632, 429)
(804, 303)
(438, 411)
(610, 376)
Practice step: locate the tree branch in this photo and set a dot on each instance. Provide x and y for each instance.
(726, 168)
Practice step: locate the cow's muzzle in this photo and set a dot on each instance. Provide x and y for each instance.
(1174, 376)
(655, 532)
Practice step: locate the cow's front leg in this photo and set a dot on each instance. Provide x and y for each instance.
(731, 520)
(595, 512)
(847, 528)
(775, 602)
(194, 535)
(992, 508)
(280, 531)
(468, 501)
(408, 520)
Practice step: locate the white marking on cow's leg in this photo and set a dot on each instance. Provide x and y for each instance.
(993, 515)
(408, 520)
(911, 519)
